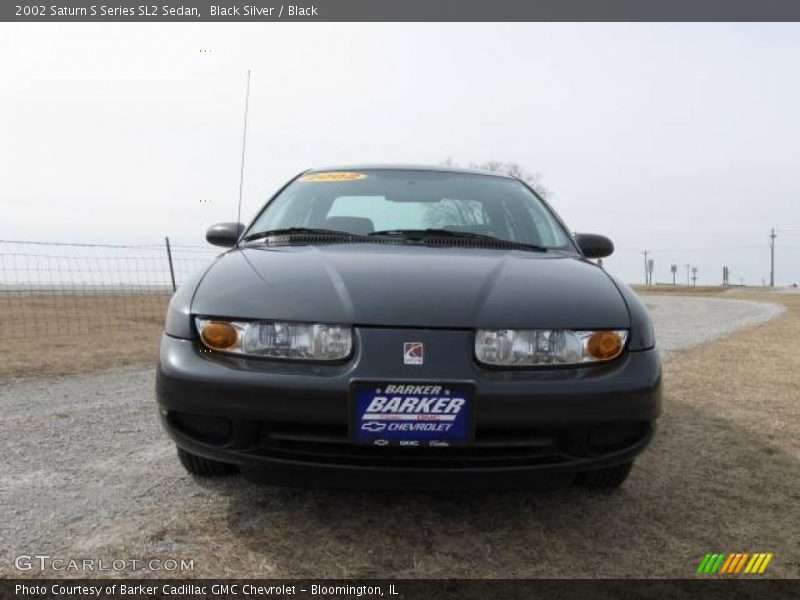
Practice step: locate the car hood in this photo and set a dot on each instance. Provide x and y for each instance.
(411, 286)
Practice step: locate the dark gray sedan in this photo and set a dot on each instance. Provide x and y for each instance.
(408, 327)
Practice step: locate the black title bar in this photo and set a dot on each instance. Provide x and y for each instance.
(402, 10)
(398, 589)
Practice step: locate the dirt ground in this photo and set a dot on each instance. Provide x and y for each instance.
(720, 475)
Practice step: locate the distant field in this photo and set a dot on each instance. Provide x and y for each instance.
(53, 333)
(70, 333)
(682, 289)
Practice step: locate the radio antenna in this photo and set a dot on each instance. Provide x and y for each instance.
(244, 142)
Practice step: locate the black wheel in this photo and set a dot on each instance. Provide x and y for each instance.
(205, 467)
(608, 478)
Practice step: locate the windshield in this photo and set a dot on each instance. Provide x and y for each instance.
(388, 200)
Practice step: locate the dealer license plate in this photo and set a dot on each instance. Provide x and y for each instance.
(412, 414)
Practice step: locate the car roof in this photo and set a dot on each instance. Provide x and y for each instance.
(401, 167)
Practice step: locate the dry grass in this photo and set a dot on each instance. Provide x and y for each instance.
(751, 378)
(721, 475)
(76, 333)
(683, 290)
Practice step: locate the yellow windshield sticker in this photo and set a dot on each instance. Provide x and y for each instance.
(333, 176)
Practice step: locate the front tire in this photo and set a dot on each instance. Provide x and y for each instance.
(204, 467)
(608, 478)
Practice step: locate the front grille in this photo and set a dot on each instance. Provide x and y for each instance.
(330, 445)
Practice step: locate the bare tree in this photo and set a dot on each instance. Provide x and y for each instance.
(449, 162)
(515, 170)
(509, 168)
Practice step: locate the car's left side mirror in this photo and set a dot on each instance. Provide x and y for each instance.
(593, 245)
(224, 234)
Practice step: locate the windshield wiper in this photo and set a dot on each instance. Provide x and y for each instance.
(299, 231)
(421, 234)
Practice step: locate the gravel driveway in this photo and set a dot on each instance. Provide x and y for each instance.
(87, 472)
(684, 322)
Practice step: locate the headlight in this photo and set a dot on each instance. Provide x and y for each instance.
(531, 347)
(296, 341)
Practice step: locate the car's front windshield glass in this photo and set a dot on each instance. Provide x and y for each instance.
(376, 200)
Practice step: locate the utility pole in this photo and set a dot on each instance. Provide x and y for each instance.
(694, 276)
(687, 273)
(646, 272)
(772, 236)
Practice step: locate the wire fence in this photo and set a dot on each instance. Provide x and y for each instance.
(59, 290)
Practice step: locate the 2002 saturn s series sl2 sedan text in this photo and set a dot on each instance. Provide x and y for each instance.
(408, 327)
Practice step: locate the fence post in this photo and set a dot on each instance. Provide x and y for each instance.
(171, 269)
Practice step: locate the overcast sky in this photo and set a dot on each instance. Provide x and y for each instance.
(679, 139)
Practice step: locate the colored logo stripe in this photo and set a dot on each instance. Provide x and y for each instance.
(733, 563)
(727, 564)
(711, 563)
(739, 562)
(703, 563)
(758, 563)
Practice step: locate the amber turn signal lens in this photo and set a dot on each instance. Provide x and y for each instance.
(604, 345)
(219, 335)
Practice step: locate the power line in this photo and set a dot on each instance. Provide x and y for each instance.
(696, 249)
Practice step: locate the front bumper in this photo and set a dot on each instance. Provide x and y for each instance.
(532, 426)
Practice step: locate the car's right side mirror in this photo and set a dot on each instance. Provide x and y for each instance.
(593, 245)
(224, 234)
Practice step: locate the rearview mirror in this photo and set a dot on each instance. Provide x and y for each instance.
(593, 245)
(224, 234)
